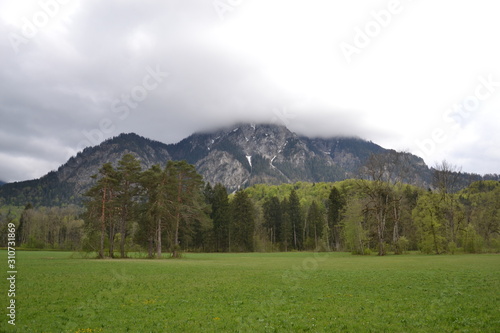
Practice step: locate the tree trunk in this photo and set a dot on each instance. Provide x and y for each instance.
(381, 225)
(175, 253)
(111, 230)
(436, 246)
(315, 238)
(158, 240)
(150, 247)
(123, 231)
(395, 233)
(103, 224)
(111, 240)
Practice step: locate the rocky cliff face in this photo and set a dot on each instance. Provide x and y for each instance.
(248, 154)
(237, 157)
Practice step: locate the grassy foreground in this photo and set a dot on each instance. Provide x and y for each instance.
(272, 292)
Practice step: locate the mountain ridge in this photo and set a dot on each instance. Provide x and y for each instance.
(237, 156)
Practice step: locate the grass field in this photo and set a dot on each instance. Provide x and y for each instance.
(272, 292)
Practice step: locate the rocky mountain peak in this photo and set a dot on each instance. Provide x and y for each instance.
(236, 156)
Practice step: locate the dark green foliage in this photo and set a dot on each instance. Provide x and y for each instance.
(241, 231)
(336, 204)
(186, 202)
(191, 149)
(221, 217)
(315, 223)
(231, 148)
(128, 189)
(153, 207)
(101, 207)
(292, 146)
(273, 219)
(294, 211)
(260, 165)
(21, 233)
(46, 191)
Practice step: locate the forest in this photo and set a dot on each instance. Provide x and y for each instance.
(170, 210)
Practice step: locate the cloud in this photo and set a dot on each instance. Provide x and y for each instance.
(263, 62)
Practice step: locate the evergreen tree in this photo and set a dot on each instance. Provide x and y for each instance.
(155, 209)
(273, 219)
(243, 223)
(221, 217)
(314, 226)
(186, 199)
(336, 204)
(128, 177)
(23, 229)
(101, 206)
(296, 221)
(286, 228)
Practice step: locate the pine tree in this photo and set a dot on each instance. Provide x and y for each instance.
(186, 198)
(296, 221)
(221, 217)
(156, 187)
(243, 216)
(286, 229)
(22, 232)
(101, 205)
(314, 225)
(128, 175)
(336, 204)
(273, 219)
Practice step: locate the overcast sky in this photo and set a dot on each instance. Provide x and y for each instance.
(420, 75)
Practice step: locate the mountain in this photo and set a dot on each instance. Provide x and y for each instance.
(2, 182)
(248, 154)
(72, 179)
(237, 157)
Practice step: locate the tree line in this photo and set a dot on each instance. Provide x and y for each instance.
(171, 210)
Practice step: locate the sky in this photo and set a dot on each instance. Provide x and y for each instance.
(421, 75)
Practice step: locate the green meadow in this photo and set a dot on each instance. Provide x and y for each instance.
(255, 292)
